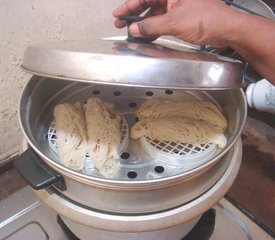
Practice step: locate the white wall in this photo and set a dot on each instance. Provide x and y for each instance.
(26, 21)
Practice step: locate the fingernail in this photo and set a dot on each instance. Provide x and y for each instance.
(134, 30)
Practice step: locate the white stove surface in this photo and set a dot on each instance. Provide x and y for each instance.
(24, 217)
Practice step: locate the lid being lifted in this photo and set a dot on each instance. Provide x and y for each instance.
(161, 64)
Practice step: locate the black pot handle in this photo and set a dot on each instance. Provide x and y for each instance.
(36, 173)
(128, 21)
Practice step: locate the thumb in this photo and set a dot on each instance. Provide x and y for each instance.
(152, 26)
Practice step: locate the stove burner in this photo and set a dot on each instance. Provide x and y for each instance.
(202, 231)
(69, 234)
(204, 228)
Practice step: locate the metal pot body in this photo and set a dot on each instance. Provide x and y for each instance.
(171, 224)
(124, 195)
(173, 233)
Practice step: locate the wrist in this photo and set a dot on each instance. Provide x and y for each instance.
(226, 25)
(232, 26)
(237, 30)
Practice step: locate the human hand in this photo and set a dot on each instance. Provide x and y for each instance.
(206, 22)
(201, 22)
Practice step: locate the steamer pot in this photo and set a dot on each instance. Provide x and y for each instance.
(150, 191)
(127, 74)
(170, 224)
(159, 205)
(151, 197)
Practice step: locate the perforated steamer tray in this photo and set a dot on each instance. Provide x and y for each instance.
(143, 159)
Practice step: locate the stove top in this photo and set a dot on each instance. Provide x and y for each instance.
(23, 216)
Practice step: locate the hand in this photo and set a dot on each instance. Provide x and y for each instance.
(200, 22)
(207, 22)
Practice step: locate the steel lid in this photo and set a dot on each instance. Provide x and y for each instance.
(161, 64)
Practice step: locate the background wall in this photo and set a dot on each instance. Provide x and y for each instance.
(23, 22)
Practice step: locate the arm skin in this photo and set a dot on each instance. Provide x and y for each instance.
(207, 22)
(255, 42)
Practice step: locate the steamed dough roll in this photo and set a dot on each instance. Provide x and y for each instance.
(71, 135)
(103, 130)
(178, 107)
(179, 129)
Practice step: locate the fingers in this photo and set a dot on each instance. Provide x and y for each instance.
(136, 7)
(131, 7)
(119, 24)
(154, 11)
(171, 4)
(153, 26)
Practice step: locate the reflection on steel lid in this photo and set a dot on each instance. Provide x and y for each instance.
(161, 64)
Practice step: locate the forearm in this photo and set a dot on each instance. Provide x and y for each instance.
(254, 38)
(208, 22)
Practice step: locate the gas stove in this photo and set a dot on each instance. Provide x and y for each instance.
(24, 216)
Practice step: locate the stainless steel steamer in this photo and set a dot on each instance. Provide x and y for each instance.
(170, 224)
(151, 194)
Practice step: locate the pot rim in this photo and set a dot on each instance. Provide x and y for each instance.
(146, 222)
(120, 184)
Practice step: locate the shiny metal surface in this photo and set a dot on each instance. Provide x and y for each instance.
(36, 106)
(145, 199)
(230, 222)
(176, 232)
(24, 217)
(41, 95)
(148, 222)
(117, 62)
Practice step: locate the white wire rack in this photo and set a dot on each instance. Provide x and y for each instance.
(178, 153)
